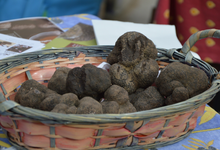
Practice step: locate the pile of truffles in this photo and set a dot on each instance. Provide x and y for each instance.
(127, 87)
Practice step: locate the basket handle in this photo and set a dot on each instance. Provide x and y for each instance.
(195, 37)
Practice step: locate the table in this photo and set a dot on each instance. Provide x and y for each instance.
(206, 134)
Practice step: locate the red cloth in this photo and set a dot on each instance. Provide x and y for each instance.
(190, 16)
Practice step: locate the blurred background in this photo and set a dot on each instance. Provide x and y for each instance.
(138, 11)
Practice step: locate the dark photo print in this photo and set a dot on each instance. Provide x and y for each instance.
(19, 48)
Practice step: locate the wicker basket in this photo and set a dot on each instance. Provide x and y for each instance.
(33, 129)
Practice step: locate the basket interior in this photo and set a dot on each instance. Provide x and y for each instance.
(40, 134)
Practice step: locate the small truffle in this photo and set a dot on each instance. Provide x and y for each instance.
(117, 94)
(58, 80)
(110, 107)
(50, 102)
(69, 99)
(127, 108)
(178, 82)
(88, 105)
(133, 97)
(60, 108)
(71, 110)
(148, 99)
(88, 81)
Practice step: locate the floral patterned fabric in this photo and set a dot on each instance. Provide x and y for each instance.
(189, 17)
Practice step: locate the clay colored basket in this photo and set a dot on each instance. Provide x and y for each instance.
(34, 129)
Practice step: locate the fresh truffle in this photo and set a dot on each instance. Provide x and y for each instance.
(88, 105)
(130, 48)
(141, 75)
(58, 80)
(133, 62)
(178, 82)
(110, 107)
(69, 99)
(88, 81)
(117, 94)
(148, 99)
(127, 108)
(32, 93)
(60, 108)
(71, 110)
(133, 96)
(50, 102)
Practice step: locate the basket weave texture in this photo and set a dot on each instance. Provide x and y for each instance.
(33, 129)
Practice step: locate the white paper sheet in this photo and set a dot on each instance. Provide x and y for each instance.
(10, 46)
(107, 32)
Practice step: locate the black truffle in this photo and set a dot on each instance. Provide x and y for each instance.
(88, 81)
(58, 80)
(178, 82)
(148, 99)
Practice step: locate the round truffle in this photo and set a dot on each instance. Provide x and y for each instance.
(58, 80)
(130, 48)
(88, 81)
(148, 99)
(88, 105)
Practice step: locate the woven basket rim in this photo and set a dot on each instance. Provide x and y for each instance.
(58, 118)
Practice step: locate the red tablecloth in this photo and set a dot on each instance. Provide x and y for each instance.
(190, 16)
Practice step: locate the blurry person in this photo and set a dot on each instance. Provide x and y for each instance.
(13, 9)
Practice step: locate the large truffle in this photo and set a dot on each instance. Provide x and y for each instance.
(130, 48)
(133, 62)
(178, 82)
(148, 99)
(141, 75)
(117, 94)
(88, 81)
(58, 80)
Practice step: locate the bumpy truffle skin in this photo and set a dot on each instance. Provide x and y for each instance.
(31, 98)
(133, 97)
(142, 75)
(127, 108)
(110, 107)
(71, 110)
(60, 108)
(32, 93)
(69, 99)
(122, 76)
(88, 105)
(117, 94)
(179, 82)
(50, 102)
(148, 99)
(146, 72)
(58, 80)
(88, 81)
(130, 48)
